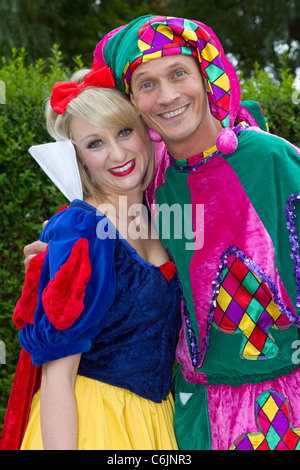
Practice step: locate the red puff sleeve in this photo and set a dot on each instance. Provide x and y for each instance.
(26, 305)
(63, 297)
(76, 288)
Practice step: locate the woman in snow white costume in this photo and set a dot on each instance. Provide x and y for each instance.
(99, 314)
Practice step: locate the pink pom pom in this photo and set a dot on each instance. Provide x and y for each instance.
(227, 141)
(154, 136)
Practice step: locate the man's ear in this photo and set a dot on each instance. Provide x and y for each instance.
(206, 84)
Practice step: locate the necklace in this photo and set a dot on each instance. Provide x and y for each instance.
(188, 168)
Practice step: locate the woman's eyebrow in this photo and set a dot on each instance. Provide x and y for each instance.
(89, 137)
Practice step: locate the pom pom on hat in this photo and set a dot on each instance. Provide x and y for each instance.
(227, 141)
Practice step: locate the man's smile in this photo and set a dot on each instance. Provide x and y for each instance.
(176, 112)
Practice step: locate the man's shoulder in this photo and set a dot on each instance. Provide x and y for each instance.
(253, 113)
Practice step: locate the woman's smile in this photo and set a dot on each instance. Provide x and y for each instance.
(123, 170)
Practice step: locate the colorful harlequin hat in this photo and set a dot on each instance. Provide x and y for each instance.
(151, 37)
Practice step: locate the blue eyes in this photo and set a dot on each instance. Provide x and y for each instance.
(125, 132)
(95, 144)
(178, 74)
(147, 85)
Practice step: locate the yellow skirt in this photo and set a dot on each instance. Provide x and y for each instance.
(111, 418)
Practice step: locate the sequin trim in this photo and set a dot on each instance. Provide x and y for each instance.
(193, 348)
(190, 168)
(233, 250)
(293, 237)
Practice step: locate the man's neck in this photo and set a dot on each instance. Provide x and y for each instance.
(204, 138)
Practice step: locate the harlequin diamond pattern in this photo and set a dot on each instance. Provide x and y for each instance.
(162, 36)
(273, 421)
(245, 305)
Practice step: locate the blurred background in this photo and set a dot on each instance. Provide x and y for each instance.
(250, 30)
(44, 41)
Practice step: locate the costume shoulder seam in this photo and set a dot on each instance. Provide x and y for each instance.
(66, 216)
(281, 139)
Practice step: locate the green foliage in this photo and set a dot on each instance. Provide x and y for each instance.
(248, 30)
(38, 24)
(27, 196)
(114, 13)
(278, 97)
(76, 25)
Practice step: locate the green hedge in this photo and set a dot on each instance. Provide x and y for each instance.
(27, 195)
(278, 97)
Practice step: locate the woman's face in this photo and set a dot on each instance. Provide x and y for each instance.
(116, 158)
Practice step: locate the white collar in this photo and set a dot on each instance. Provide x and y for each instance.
(59, 162)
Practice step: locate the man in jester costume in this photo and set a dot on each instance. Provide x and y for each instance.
(238, 383)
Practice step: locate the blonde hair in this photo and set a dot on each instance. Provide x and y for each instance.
(102, 107)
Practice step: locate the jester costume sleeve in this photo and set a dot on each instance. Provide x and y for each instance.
(238, 384)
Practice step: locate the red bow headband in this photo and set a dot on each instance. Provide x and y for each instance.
(64, 92)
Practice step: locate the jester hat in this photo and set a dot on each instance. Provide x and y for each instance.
(151, 37)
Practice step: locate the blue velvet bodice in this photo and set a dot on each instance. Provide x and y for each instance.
(128, 330)
(136, 347)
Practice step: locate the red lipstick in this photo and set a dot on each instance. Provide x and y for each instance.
(123, 170)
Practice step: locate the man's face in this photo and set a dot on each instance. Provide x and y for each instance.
(170, 95)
